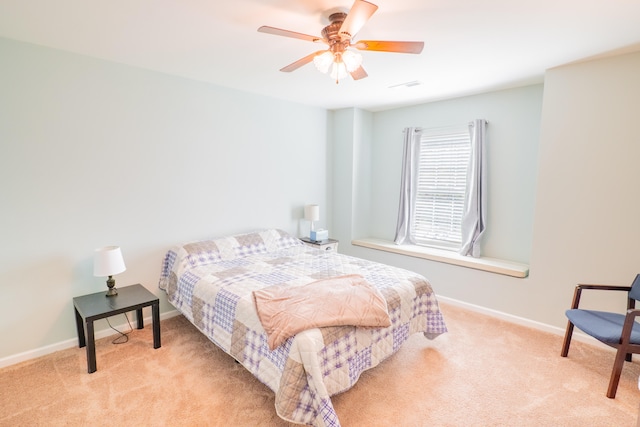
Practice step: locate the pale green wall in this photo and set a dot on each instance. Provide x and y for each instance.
(512, 160)
(94, 153)
(351, 172)
(513, 135)
(563, 186)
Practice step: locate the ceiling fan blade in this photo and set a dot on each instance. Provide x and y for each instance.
(300, 62)
(359, 73)
(386, 46)
(287, 33)
(359, 14)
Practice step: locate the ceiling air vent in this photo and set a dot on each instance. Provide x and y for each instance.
(407, 84)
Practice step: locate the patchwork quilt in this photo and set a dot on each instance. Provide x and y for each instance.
(212, 283)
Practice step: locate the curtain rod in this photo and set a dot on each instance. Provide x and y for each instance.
(418, 129)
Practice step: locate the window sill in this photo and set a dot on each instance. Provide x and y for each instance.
(492, 265)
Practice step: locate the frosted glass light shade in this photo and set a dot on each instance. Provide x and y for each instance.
(323, 61)
(108, 261)
(312, 212)
(352, 60)
(338, 71)
(338, 64)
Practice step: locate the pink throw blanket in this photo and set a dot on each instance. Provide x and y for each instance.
(285, 310)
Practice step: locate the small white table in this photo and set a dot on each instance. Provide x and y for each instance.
(329, 245)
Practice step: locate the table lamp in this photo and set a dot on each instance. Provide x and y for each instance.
(312, 213)
(108, 261)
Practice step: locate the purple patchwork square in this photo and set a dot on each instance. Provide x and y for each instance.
(225, 309)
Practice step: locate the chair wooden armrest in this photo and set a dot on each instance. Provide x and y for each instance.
(604, 287)
(578, 292)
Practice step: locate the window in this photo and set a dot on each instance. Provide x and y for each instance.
(443, 160)
(443, 188)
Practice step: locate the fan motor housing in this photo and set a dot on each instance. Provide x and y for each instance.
(330, 32)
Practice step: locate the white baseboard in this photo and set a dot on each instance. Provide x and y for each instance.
(73, 342)
(577, 334)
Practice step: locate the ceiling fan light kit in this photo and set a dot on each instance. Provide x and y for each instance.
(338, 60)
(339, 65)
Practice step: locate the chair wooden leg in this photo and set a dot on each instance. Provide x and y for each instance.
(615, 373)
(567, 339)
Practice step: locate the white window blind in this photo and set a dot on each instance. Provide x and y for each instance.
(442, 181)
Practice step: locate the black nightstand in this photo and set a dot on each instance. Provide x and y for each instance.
(89, 308)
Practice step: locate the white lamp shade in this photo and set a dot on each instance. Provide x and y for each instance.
(312, 212)
(108, 261)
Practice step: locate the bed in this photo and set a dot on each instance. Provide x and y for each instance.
(215, 283)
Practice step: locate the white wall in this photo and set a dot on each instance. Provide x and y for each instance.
(563, 188)
(95, 153)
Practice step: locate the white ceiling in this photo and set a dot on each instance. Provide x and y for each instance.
(471, 46)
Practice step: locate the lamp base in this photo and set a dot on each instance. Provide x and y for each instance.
(111, 284)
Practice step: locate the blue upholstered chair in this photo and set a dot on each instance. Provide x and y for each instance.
(618, 330)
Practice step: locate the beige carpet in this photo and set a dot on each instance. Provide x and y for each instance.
(484, 372)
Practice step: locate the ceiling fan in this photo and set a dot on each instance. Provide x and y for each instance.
(338, 59)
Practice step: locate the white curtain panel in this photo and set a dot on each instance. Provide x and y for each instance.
(408, 185)
(473, 221)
